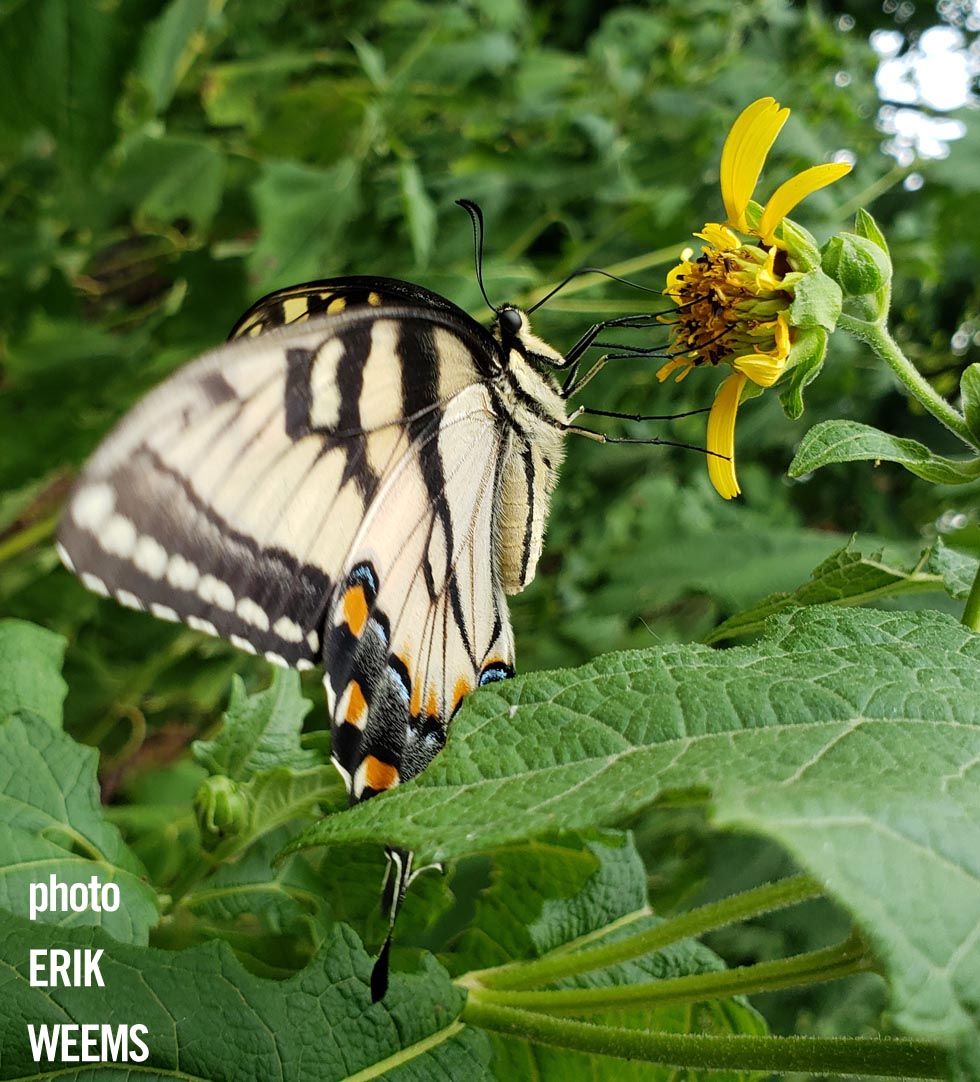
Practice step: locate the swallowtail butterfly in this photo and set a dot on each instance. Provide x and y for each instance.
(355, 481)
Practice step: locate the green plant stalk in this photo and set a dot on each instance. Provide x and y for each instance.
(812, 1055)
(553, 967)
(815, 967)
(27, 538)
(878, 337)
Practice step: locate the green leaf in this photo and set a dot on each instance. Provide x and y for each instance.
(848, 736)
(845, 578)
(61, 63)
(866, 226)
(279, 897)
(53, 825)
(208, 1018)
(30, 671)
(260, 732)
(970, 393)
(172, 177)
(170, 45)
(957, 569)
(272, 778)
(303, 213)
(371, 59)
(419, 211)
(850, 441)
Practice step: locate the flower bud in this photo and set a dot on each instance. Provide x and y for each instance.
(221, 809)
(857, 264)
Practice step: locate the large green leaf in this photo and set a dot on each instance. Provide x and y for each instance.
(302, 213)
(52, 824)
(208, 1019)
(849, 736)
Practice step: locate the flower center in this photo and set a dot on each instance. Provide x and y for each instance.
(728, 302)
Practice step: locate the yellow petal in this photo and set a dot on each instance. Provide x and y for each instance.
(721, 436)
(762, 369)
(671, 366)
(794, 191)
(719, 237)
(744, 154)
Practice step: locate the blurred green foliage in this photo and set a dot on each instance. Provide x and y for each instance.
(165, 162)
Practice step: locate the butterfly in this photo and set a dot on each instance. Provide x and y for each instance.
(355, 481)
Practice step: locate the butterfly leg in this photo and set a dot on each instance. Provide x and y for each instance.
(399, 876)
(573, 358)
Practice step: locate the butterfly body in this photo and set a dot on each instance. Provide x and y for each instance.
(354, 481)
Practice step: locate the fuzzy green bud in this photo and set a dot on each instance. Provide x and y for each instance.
(857, 264)
(221, 809)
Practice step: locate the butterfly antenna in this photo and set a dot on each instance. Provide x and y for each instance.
(476, 217)
(591, 270)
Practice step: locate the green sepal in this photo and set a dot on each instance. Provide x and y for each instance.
(865, 226)
(753, 215)
(802, 368)
(970, 394)
(221, 809)
(800, 244)
(856, 264)
(817, 301)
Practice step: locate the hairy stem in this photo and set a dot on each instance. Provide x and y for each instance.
(814, 967)
(556, 965)
(885, 1058)
(878, 337)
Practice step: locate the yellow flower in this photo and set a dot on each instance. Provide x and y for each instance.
(733, 301)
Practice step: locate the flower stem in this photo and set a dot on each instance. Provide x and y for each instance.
(554, 966)
(878, 337)
(811, 1055)
(815, 967)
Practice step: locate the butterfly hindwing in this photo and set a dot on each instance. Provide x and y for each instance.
(419, 618)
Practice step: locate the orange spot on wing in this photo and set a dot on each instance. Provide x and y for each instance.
(379, 775)
(431, 706)
(355, 609)
(463, 687)
(415, 706)
(356, 705)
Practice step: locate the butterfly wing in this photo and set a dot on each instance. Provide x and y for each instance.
(419, 618)
(230, 497)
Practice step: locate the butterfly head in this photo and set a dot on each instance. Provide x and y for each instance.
(513, 331)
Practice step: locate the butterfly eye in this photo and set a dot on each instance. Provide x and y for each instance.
(510, 322)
